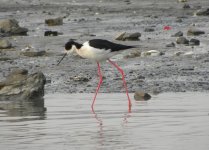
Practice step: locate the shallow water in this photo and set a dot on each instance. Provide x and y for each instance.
(170, 121)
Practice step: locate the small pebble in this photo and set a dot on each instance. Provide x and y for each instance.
(141, 96)
(194, 42)
(170, 45)
(182, 40)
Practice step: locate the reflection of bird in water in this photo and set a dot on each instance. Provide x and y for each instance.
(99, 50)
(101, 131)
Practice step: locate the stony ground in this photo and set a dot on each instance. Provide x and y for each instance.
(179, 68)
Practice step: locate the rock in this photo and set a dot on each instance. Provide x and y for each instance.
(179, 20)
(170, 45)
(133, 54)
(51, 33)
(5, 58)
(178, 34)
(190, 68)
(80, 78)
(182, 1)
(149, 30)
(10, 27)
(194, 32)
(120, 36)
(132, 36)
(186, 6)
(22, 94)
(5, 44)
(98, 19)
(197, 6)
(54, 22)
(17, 74)
(128, 36)
(179, 53)
(128, 2)
(21, 86)
(202, 12)
(151, 53)
(81, 20)
(182, 40)
(194, 42)
(189, 54)
(32, 52)
(141, 96)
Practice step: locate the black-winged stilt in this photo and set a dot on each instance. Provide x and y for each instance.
(98, 50)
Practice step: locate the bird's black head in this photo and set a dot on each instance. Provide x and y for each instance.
(70, 46)
(70, 43)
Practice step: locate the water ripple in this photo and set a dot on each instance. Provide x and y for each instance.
(167, 121)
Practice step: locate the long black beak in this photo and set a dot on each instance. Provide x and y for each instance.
(61, 59)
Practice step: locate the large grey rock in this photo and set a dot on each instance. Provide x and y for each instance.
(5, 44)
(10, 27)
(133, 54)
(194, 32)
(128, 36)
(30, 51)
(21, 86)
(202, 12)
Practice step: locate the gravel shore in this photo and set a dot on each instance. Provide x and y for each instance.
(173, 68)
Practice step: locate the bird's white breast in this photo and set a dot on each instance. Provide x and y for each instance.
(86, 51)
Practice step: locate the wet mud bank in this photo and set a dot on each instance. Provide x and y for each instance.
(160, 64)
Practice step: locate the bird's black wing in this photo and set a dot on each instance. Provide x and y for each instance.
(107, 45)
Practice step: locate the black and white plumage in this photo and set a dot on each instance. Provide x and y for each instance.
(98, 50)
(107, 45)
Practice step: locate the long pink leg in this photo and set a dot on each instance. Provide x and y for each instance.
(98, 87)
(124, 81)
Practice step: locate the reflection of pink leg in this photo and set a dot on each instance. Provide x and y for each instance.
(99, 84)
(124, 82)
(95, 116)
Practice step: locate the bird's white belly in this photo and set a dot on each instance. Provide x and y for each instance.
(95, 54)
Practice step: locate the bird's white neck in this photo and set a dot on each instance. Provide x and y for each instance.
(74, 48)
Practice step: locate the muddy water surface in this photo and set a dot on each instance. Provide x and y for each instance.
(168, 121)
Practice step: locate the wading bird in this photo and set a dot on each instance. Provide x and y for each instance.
(98, 50)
